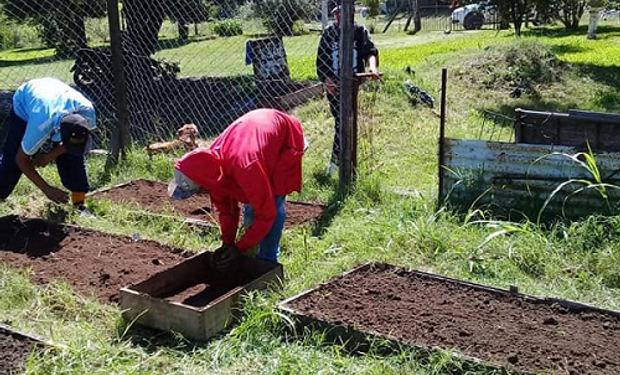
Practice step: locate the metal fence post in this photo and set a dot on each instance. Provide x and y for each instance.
(347, 151)
(324, 14)
(121, 136)
(442, 135)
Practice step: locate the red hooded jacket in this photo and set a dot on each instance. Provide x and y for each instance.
(255, 159)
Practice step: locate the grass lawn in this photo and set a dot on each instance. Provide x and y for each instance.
(398, 145)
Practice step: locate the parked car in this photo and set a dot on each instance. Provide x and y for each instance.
(473, 16)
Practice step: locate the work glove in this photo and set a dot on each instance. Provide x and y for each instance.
(227, 259)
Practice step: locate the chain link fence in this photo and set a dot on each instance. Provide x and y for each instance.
(185, 61)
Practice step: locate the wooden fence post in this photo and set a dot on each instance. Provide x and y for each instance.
(121, 135)
(347, 151)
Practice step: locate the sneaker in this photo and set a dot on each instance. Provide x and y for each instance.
(85, 212)
(332, 169)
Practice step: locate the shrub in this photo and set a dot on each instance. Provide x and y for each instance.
(373, 7)
(597, 3)
(228, 28)
(298, 28)
(526, 64)
(246, 11)
(279, 16)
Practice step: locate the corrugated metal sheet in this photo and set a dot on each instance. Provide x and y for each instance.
(522, 176)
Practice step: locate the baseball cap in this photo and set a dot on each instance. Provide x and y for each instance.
(181, 187)
(75, 134)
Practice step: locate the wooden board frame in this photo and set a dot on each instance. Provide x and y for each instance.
(356, 340)
(141, 305)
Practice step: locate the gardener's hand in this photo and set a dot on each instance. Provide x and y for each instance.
(227, 259)
(374, 72)
(331, 86)
(56, 195)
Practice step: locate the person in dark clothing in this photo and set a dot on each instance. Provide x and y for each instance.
(328, 70)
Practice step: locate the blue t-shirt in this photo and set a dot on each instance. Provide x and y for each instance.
(43, 103)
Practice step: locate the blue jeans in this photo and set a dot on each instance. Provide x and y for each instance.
(270, 245)
(71, 168)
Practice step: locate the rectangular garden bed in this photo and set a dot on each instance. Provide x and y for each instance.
(93, 262)
(15, 348)
(482, 324)
(191, 298)
(152, 196)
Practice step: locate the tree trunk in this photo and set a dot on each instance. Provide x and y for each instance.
(410, 14)
(78, 31)
(571, 14)
(518, 25)
(595, 14)
(144, 19)
(183, 31)
(417, 20)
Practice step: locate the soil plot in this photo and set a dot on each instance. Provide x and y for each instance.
(153, 196)
(15, 348)
(94, 263)
(502, 329)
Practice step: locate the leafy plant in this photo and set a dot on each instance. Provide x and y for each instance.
(228, 28)
(279, 16)
(597, 3)
(373, 7)
(587, 162)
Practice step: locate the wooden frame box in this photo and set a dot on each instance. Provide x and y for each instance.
(146, 301)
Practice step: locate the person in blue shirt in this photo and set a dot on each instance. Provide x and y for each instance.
(44, 110)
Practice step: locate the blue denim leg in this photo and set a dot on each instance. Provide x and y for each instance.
(9, 171)
(270, 245)
(72, 171)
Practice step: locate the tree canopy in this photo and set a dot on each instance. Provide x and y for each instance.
(61, 22)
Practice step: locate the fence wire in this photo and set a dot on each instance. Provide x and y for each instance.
(185, 61)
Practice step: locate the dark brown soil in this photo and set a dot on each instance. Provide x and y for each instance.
(14, 352)
(200, 295)
(92, 262)
(501, 329)
(215, 285)
(153, 196)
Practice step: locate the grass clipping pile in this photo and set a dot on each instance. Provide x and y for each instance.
(525, 67)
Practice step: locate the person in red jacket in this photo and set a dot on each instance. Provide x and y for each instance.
(255, 161)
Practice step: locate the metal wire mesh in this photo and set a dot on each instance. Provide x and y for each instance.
(185, 61)
(40, 38)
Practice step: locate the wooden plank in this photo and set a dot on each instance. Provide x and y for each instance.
(599, 131)
(347, 169)
(611, 118)
(28, 336)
